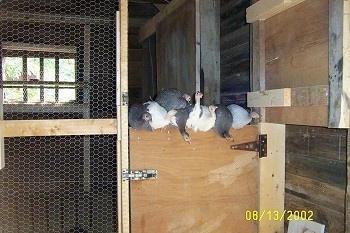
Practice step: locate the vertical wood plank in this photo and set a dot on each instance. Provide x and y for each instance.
(257, 61)
(339, 63)
(176, 49)
(122, 117)
(210, 49)
(2, 150)
(347, 197)
(272, 177)
(199, 87)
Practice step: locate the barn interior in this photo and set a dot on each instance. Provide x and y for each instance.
(60, 159)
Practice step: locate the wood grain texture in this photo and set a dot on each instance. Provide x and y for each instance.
(333, 220)
(311, 115)
(25, 128)
(201, 187)
(317, 142)
(150, 26)
(297, 46)
(339, 64)
(265, 9)
(176, 50)
(323, 170)
(234, 52)
(209, 60)
(272, 176)
(320, 193)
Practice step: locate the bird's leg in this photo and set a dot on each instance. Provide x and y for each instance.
(170, 114)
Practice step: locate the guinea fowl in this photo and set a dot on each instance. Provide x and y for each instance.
(241, 117)
(160, 116)
(201, 118)
(223, 122)
(179, 120)
(172, 98)
(139, 117)
(207, 119)
(194, 111)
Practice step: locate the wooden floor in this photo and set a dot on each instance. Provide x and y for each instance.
(201, 187)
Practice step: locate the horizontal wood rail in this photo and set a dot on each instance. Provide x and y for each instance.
(60, 127)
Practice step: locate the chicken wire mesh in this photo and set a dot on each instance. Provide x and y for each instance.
(58, 62)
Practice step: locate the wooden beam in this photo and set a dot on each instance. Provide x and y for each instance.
(265, 9)
(122, 114)
(339, 64)
(272, 178)
(269, 98)
(2, 149)
(298, 115)
(150, 27)
(150, 1)
(347, 194)
(258, 61)
(299, 96)
(51, 18)
(27, 128)
(209, 11)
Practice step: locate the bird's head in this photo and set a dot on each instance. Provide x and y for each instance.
(187, 97)
(147, 116)
(212, 109)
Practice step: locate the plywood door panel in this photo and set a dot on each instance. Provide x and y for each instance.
(201, 187)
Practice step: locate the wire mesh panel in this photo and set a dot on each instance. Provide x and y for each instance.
(58, 62)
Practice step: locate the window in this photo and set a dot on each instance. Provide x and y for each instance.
(38, 73)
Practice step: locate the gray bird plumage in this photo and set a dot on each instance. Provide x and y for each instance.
(179, 120)
(223, 122)
(241, 117)
(172, 98)
(139, 118)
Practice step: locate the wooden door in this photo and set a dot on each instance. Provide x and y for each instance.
(201, 187)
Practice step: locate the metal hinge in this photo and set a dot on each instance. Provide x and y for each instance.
(259, 146)
(139, 174)
(125, 98)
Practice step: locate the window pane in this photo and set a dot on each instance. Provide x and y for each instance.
(49, 95)
(33, 71)
(12, 68)
(49, 69)
(33, 95)
(13, 95)
(66, 95)
(67, 70)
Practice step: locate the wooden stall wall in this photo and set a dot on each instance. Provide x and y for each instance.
(296, 55)
(234, 52)
(316, 173)
(142, 60)
(176, 49)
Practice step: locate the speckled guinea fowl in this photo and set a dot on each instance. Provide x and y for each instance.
(241, 117)
(160, 116)
(179, 120)
(223, 122)
(139, 117)
(172, 98)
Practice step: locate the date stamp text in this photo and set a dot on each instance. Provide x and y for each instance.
(276, 215)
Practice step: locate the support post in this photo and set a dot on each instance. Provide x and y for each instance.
(122, 117)
(272, 179)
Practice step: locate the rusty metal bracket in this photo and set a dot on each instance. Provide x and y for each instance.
(259, 146)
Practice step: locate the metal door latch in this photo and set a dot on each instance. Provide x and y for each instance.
(139, 174)
(259, 146)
